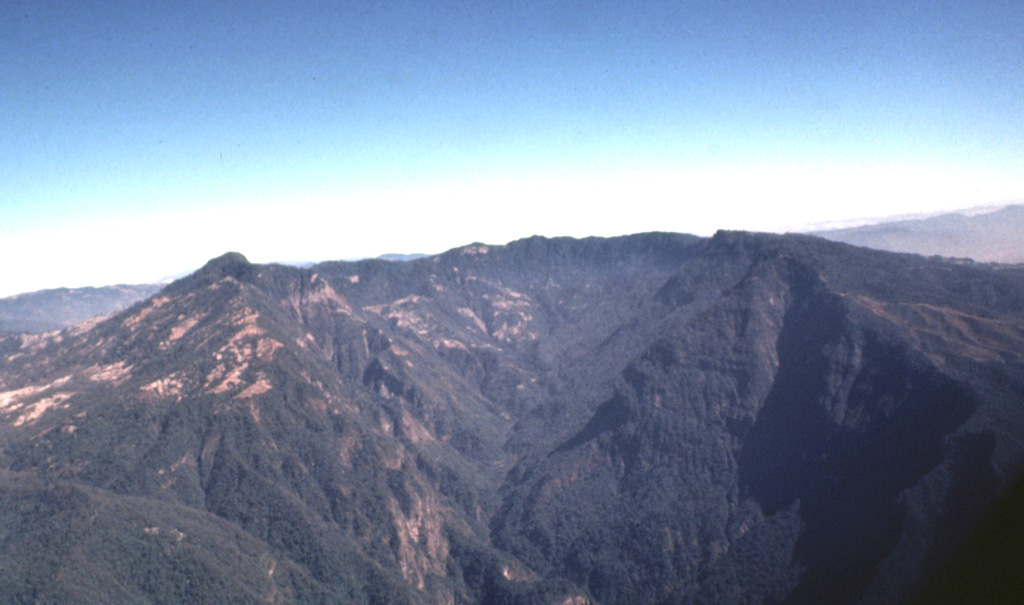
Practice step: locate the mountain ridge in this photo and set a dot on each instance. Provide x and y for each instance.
(657, 417)
(57, 308)
(983, 237)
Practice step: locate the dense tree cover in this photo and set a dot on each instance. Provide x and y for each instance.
(655, 418)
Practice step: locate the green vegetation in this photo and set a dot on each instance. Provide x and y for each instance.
(655, 418)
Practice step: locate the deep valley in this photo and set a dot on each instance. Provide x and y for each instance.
(656, 418)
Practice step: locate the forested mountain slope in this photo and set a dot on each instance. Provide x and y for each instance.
(58, 308)
(650, 418)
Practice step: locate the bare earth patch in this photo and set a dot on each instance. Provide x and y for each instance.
(37, 409)
(115, 372)
(468, 313)
(167, 386)
(233, 379)
(17, 397)
(133, 322)
(262, 385)
(181, 329)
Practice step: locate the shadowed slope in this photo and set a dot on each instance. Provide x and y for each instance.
(653, 418)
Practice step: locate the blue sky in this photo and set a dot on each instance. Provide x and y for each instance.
(138, 139)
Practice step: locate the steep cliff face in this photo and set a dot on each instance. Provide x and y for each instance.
(639, 419)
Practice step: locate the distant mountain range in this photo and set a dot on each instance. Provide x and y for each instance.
(996, 236)
(656, 418)
(401, 257)
(47, 310)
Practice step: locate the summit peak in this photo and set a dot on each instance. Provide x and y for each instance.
(230, 264)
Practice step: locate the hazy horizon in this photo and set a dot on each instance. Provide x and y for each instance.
(811, 228)
(141, 140)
